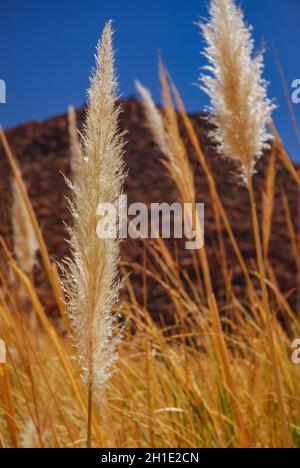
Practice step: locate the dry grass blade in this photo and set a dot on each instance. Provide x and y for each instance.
(51, 332)
(215, 196)
(268, 202)
(8, 403)
(181, 172)
(284, 156)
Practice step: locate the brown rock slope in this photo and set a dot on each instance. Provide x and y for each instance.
(42, 151)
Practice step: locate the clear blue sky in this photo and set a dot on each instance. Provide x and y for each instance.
(47, 46)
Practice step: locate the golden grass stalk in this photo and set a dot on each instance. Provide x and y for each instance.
(268, 202)
(284, 156)
(2, 444)
(50, 331)
(91, 273)
(218, 207)
(6, 392)
(178, 163)
(241, 111)
(154, 119)
(25, 243)
(294, 236)
(167, 130)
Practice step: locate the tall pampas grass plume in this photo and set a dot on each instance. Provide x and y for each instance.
(240, 108)
(154, 119)
(165, 131)
(241, 111)
(91, 273)
(24, 239)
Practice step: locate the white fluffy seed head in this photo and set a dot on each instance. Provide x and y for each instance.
(165, 131)
(240, 108)
(91, 274)
(154, 119)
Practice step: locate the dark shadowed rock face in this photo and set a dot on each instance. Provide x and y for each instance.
(43, 154)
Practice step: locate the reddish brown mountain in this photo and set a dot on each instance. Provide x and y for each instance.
(43, 154)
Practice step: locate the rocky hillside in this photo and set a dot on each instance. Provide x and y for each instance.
(42, 151)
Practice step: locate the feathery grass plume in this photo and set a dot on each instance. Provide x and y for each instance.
(165, 131)
(241, 112)
(91, 276)
(240, 107)
(75, 146)
(25, 242)
(154, 119)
